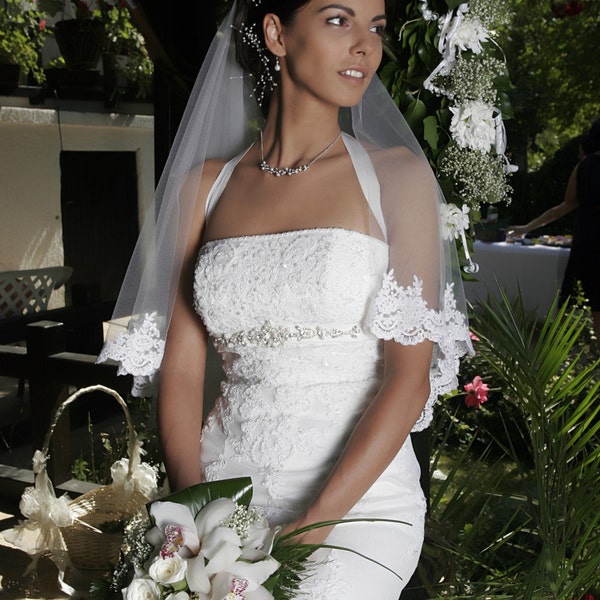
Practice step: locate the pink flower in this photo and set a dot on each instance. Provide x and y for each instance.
(474, 337)
(477, 392)
(42, 25)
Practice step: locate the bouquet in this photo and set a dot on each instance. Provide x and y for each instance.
(206, 543)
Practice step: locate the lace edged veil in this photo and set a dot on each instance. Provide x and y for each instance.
(421, 296)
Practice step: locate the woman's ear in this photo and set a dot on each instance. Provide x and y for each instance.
(273, 32)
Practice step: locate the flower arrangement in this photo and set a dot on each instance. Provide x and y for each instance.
(22, 34)
(449, 78)
(206, 543)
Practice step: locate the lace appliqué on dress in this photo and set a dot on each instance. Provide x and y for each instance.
(402, 314)
(139, 351)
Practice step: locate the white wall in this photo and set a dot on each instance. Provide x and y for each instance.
(30, 144)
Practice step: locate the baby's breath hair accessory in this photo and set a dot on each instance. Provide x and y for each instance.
(265, 81)
(256, 3)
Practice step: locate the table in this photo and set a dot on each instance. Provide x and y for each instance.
(537, 270)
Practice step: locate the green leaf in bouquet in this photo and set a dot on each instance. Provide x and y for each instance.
(197, 496)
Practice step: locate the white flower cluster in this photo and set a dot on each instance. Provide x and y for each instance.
(454, 220)
(467, 76)
(473, 125)
(221, 553)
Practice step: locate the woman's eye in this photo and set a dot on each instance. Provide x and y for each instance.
(338, 21)
(378, 29)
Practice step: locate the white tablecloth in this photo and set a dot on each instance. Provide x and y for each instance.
(537, 270)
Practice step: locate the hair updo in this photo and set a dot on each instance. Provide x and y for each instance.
(254, 57)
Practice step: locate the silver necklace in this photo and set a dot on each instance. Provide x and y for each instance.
(267, 168)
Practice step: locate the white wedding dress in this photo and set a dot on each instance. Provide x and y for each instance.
(288, 313)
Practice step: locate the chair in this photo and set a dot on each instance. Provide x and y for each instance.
(26, 292)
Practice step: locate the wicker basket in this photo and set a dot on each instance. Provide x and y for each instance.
(90, 547)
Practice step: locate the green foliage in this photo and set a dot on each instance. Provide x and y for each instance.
(556, 388)
(126, 48)
(22, 35)
(517, 516)
(198, 496)
(553, 64)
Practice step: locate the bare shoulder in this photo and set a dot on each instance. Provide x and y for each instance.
(196, 188)
(212, 168)
(200, 180)
(401, 166)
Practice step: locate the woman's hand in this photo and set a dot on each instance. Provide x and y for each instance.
(314, 536)
(516, 231)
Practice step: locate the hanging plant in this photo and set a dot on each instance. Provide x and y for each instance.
(22, 34)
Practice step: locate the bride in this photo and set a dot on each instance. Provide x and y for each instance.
(303, 240)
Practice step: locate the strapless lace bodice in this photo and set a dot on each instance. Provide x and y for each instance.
(320, 281)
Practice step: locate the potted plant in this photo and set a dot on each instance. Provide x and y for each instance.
(125, 52)
(79, 32)
(22, 34)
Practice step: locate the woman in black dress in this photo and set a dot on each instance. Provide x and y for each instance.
(582, 195)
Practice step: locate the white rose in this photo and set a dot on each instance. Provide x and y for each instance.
(169, 570)
(178, 596)
(473, 125)
(142, 588)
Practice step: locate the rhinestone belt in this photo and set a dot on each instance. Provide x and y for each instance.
(272, 335)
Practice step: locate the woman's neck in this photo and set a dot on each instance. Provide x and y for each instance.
(295, 133)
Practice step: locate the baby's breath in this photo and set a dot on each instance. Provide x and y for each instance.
(135, 551)
(241, 520)
(472, 78)
(490, 12)
(480, 177)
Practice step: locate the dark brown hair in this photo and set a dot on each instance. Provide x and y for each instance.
(249, 16)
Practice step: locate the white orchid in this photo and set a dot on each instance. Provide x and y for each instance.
(229, 587)
(207, 556)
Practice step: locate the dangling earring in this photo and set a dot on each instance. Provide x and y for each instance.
(277, 66)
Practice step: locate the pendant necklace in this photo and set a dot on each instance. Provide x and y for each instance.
(267, 168)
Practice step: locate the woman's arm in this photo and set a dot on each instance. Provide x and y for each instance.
(183, 367)
(376, 439)
(568, 204)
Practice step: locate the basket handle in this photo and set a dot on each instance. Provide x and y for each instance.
(95, 388)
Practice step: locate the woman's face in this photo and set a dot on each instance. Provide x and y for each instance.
(333, 49)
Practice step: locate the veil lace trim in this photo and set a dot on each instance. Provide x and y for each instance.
(402, 314)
